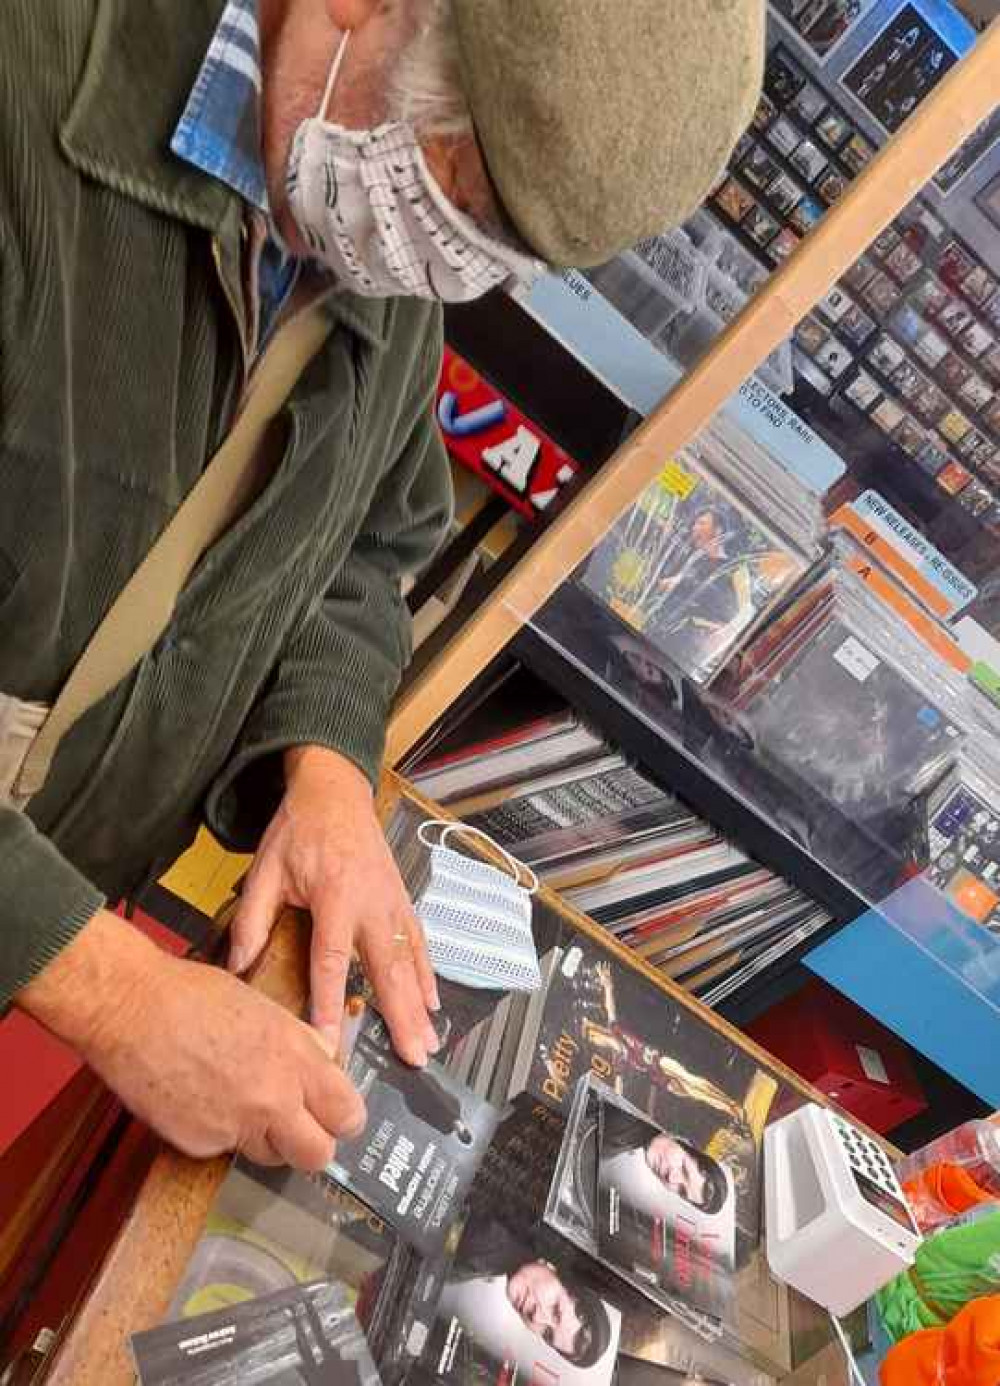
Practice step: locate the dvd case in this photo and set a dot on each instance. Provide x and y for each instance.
(425, 1137)
(665, 1211)
(305, 1336)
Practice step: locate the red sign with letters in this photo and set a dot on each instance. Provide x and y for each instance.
(486, 433)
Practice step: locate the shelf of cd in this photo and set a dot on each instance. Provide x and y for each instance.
(669, 746)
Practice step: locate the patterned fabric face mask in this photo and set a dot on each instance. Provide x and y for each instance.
(476, 918)
(370, 211)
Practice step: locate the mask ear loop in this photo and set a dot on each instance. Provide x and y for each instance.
(517, 868)
(335, 66)
(853, 1367)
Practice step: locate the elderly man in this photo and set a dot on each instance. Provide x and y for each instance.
(187, 187)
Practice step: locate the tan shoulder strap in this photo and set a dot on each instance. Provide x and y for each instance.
(142, 610)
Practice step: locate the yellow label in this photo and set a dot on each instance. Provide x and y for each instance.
(677, 481)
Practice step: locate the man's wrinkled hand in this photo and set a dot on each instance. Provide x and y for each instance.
(325, 852)
(210, 1064)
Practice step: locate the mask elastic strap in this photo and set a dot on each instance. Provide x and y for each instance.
(462, 829)
(852, 1365)
(335, 66)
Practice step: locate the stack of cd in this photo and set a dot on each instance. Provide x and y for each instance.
(840, 697)
(692, 566)
(751, 472)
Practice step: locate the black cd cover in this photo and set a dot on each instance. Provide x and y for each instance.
(666, 1212)
(425, 1138)
(306, 1336)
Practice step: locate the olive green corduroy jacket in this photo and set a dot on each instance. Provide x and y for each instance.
(121, 362)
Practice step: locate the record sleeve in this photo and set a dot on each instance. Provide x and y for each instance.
(424, 1140)
(304, 1336)
(574, 809)
(665, 1212)
(842, 717)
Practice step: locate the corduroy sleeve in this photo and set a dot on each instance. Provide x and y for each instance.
(46, 902)
(337, 677)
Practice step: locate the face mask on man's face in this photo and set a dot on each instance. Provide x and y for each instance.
(370, 211)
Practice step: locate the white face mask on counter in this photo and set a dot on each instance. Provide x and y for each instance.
(370, 211)
(476, 918)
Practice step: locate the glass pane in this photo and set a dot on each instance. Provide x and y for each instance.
(803, 605)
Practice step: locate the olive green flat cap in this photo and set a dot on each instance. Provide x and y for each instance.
(605, 121)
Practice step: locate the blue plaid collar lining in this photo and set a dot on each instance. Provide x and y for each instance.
(220, 130)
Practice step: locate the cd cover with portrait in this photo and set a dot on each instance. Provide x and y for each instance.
(666, 1218)
(510, 1312)
(423, 1142)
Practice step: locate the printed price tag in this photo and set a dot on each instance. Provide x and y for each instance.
(677, 481)
(856, 658)
(872, 1064)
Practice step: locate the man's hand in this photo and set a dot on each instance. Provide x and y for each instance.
(324, 851)
(207, 1062)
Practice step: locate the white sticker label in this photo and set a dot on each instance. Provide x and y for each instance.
(417, 1340)
(873, 1064)
(856, 658)
(571, 962)
(932, 565)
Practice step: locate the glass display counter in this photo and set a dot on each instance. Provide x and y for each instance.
(204, 1237)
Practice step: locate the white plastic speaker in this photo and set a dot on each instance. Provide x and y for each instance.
(838, 1227)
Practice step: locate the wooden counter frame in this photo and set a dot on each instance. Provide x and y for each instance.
(133, 1288)
(953, 110)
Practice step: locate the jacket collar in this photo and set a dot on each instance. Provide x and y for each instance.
(143, 60)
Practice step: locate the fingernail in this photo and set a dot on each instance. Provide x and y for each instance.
(238, 959)
(433, 1043)
(329, 1035)
(435, 1000)
(416, 1056)
(355, 1127)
